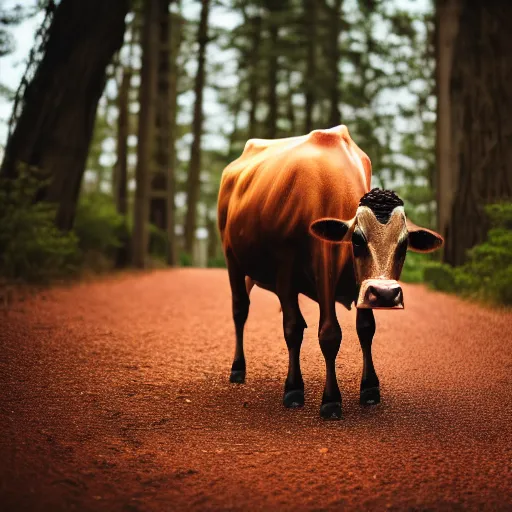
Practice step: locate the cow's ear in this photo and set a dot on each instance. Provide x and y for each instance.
(330, 230)
(422, 239)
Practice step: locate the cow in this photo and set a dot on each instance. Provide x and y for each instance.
(297, 216)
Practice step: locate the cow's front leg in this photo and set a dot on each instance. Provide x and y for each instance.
(365, 325)
(240, 303)
(293, 325)
(329, 335)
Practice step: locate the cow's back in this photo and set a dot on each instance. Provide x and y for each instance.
(271, 194)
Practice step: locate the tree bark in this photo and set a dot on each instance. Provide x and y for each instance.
(271, 122)
(55, 127)
(290, 107)
(121, 166)
(147, 94)
(159, 202)
(310, 29)
(475, 118)
(193, 184)
(212, 238)
(334, 55)
(176, 40)
(120, 181)
(254, 76)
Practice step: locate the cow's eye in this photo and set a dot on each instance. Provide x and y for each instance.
(359, 242)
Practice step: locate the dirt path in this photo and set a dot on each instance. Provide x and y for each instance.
(115, 396)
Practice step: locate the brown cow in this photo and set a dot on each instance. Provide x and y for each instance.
(280, 212)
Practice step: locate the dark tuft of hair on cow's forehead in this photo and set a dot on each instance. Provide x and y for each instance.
(381, 203)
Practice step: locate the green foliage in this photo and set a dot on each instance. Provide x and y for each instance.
(217, 262)
(414, 265)
(158, 244)
(488, 272)
(185, 260)
(97, 224)
(440, 276)
(32, 249)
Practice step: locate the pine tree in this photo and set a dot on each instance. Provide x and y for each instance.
(193, 184)
(147, 95)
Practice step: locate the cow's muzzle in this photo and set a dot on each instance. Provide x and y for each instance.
(380, 294)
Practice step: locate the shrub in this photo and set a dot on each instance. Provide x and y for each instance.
(217, 262)
(98, 226)
(101, 231)
(414, 265)
(487, 274)
(185, 259)
(31, 247)
(440, 276)
(158, 245)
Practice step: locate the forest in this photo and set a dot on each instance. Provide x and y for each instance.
(128, 111)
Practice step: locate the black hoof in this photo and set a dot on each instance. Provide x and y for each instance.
(237, 376)
(370, 396)
(331, 411)
(293, 399)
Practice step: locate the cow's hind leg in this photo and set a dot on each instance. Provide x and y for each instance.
(365, 325)
(240, 304)
(329, 336)
(293, 326)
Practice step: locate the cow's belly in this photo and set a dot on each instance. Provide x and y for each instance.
(261, 264)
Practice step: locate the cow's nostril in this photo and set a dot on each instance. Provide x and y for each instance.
(395, 293)
(373, 295)
(398, 297)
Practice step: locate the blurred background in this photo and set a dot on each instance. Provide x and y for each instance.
(117, 119)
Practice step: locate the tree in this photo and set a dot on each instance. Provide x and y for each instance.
(310, 23)
(275, 9)
(256, 23)
(58, 105)
(161, 211)
(120, 171)
(474, 118)
(335, 18)
(193, 183)
(176, 40)
(147, 96)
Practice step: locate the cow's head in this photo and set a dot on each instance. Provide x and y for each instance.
(380, 235)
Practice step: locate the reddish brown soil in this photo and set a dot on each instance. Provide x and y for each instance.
(115, 396)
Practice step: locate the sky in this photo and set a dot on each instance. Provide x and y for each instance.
(13, 66)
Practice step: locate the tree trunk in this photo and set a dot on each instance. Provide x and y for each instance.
(212, 238)
(159, 202)
(334, 56)
(147, 94)
(55, 127)
(120, 181)
(310, 29)
(475, 118)
(176, 39)
(290, 107)
(234, 132)
(253, 75)
(121, 166)
(193, 184)
(271, 123)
